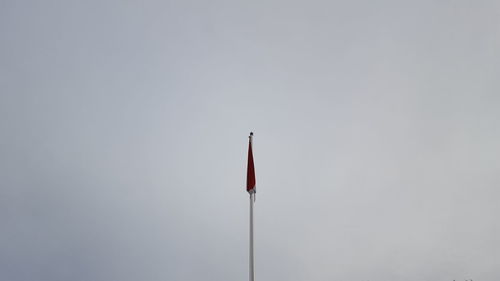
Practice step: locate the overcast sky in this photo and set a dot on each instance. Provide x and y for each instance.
(124, 125)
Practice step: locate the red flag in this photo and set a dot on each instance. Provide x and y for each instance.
(250, 168)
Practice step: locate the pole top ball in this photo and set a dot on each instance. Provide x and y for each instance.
(251, 133)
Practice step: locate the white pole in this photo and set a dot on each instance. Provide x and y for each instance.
(251, 237)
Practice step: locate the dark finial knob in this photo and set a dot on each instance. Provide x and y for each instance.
(251, 133)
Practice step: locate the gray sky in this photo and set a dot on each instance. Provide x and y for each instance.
(123, 137)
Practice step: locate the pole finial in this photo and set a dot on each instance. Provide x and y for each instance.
(251, 133)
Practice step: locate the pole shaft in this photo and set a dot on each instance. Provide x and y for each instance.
(251, 238)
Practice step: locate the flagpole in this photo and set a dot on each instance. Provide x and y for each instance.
(251, 190)
(251, 237)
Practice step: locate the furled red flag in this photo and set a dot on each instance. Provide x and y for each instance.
(250, 168)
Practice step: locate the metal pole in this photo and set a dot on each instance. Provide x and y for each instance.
(251, 238)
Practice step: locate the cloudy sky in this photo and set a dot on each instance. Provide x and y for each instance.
(124, 124)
